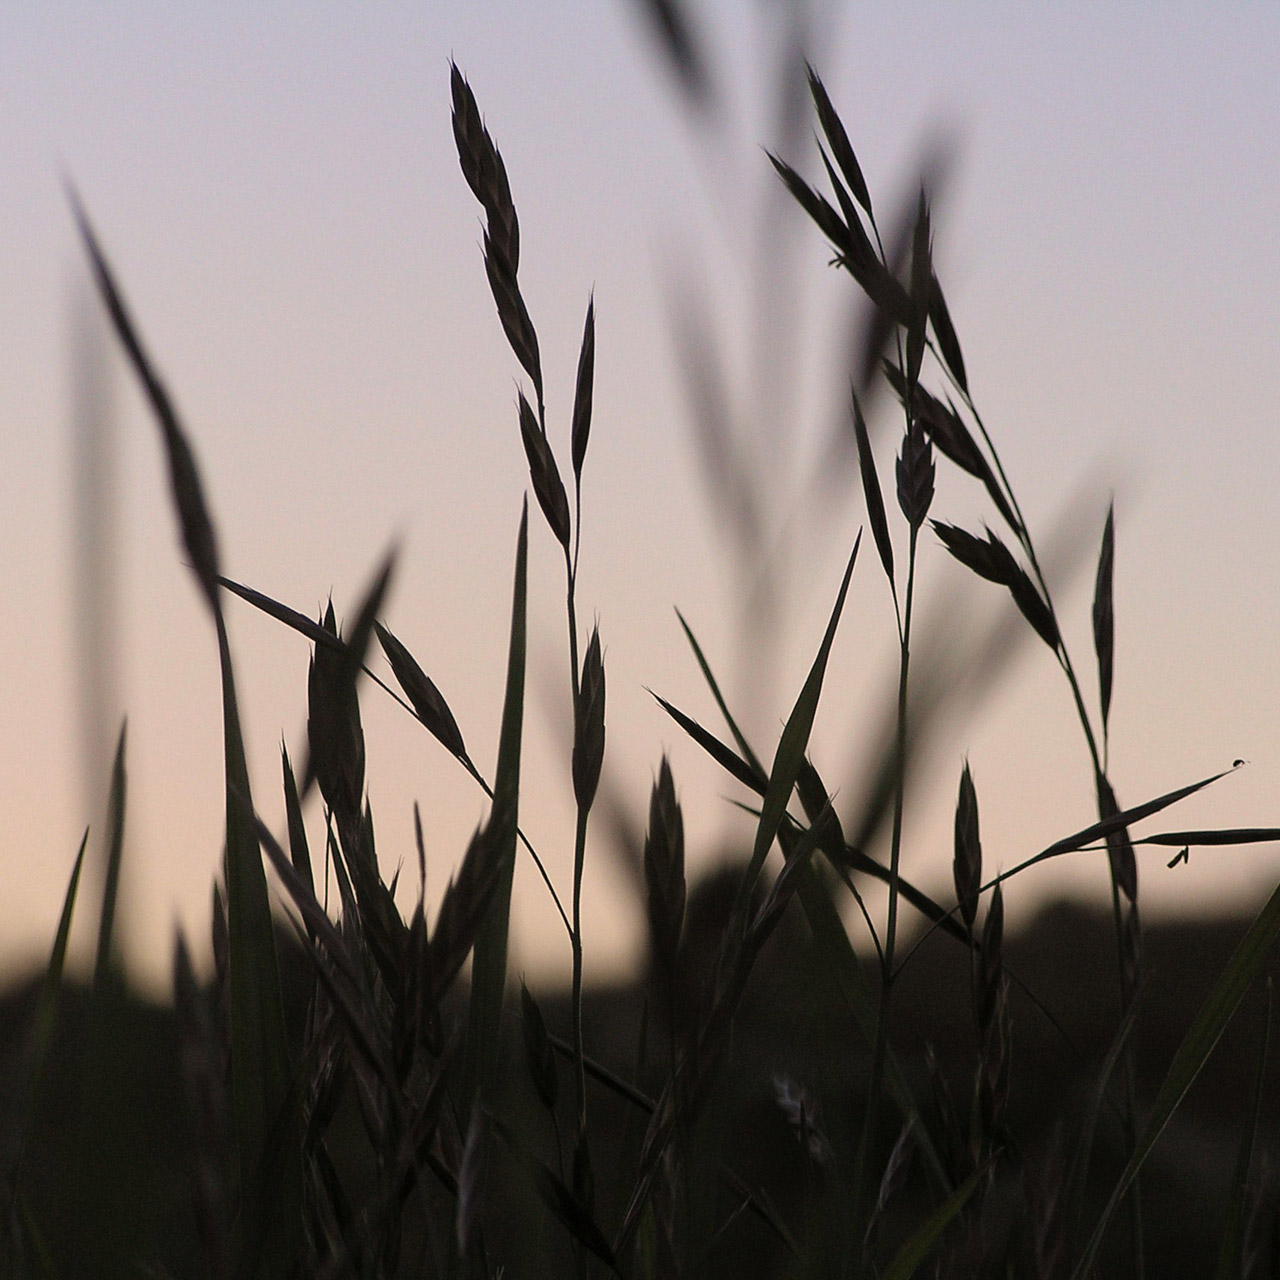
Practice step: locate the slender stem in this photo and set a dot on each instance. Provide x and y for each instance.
(881, 1048)
(579, 1062)
(1100, 763)
(579, 861)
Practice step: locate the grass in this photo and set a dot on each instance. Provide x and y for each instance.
(385, 1115)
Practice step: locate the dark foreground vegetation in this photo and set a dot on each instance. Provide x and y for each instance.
(111, 1172)
(769, 1100)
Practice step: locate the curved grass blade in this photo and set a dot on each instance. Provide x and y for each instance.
(489, 966)
(743, 746)
(261, 1071)
(1231, 1249)
(1109, 826)
(1103, 615)
(184, 476)
(1245, 965)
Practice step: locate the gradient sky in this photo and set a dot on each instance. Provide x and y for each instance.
(278, 192)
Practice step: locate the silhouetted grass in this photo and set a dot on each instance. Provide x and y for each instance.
(389, 1118)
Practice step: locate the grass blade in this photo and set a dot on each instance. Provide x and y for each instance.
(791, 748)
(299, 853)
(1245, 965)
(743, 746)
(489, 966)
(908, 1259)
(261, 1071)
(282, 613)
(724, 756)
(41, 1036)
(840, 960)
(1117, 822)
(106, 957)
(1225, 835)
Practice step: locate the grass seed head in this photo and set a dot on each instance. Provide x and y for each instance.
(588, 740)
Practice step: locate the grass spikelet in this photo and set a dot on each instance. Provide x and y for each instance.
(107, 958)
(944, 331)
(838, 140)
(1104, 615)
(486, 175)
(664, 869)
(994, 561)
(547, 486)
(966, 865)
(583, 391)
(819, 209)
(334, 733)
(540, 1059)
(483, 169)
(871, 491)
(427, 701)
(588, 735)
(921, 290)
(915, 473)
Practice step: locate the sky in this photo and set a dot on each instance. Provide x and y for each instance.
(278, 192)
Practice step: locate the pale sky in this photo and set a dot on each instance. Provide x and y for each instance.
(279, 195)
